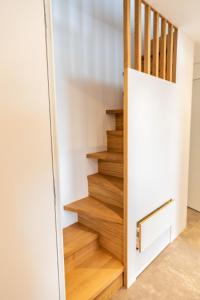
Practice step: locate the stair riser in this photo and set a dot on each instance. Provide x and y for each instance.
(80, 256)
(103, 193)
(110, 235)
(112, 289)
(111, 168)
(119, 122)
(115, 143)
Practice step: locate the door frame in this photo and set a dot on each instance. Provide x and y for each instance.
(48, 20)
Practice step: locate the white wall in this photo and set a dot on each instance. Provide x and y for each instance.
(159, 134)
(28, 256)
(194, 182)
(88, 38)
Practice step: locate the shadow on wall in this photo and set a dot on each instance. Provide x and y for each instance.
(89, 65)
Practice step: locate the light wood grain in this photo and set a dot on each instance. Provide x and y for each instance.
(112, 289)
(156, 45)
(114, 143)
(110, 235)
(114, 111)
(107, 189)
(127, 35)
(95, 209)
(138, 36)
(90, 279)
(119, 121)
(77, 258)
(76, 237)
(115, 132)
(125, 175)
(147, 40)
(175, 41)
(169, 52)
(107, 156)
(111, 168)
(163, 49)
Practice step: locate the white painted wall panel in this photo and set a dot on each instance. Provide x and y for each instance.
(159, 134)
(28, 256)
(88, 38)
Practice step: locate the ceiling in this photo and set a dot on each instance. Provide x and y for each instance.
(182, 13)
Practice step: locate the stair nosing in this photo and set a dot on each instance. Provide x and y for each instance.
(118, 133)
(117, 220)
(114, 111)
(108, 159)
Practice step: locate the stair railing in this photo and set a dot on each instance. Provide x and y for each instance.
(154, 43)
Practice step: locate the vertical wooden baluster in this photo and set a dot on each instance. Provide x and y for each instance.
(163, 49)
(169, 52)
(127, 35)
(174, 54)
(147, 40)
(138, 36)
(156, 44)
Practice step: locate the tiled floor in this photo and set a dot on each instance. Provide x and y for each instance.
(175, 274)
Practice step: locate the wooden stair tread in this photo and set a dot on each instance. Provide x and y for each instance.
(115, 132)
(107, 156)
(114, 111)
(96, 209)
(76, 237)
(92, 277)
(105, 179)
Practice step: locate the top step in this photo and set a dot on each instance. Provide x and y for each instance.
(76, 237)
(114, 111)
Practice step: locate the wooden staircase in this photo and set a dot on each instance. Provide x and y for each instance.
(93, 247)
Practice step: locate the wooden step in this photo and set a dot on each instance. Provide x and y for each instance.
(106, 188)
(115, 133)
(114, 111)
(115, 141)
(96, 209)
(91, 278)
(110, 235)
(118, 117)
(80, 242)
(107, 156)
(119, 122)
(111, 168)
(112, 289)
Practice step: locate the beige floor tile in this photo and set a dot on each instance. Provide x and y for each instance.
(175, 274)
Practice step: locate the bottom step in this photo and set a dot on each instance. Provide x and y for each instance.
(101, 274)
